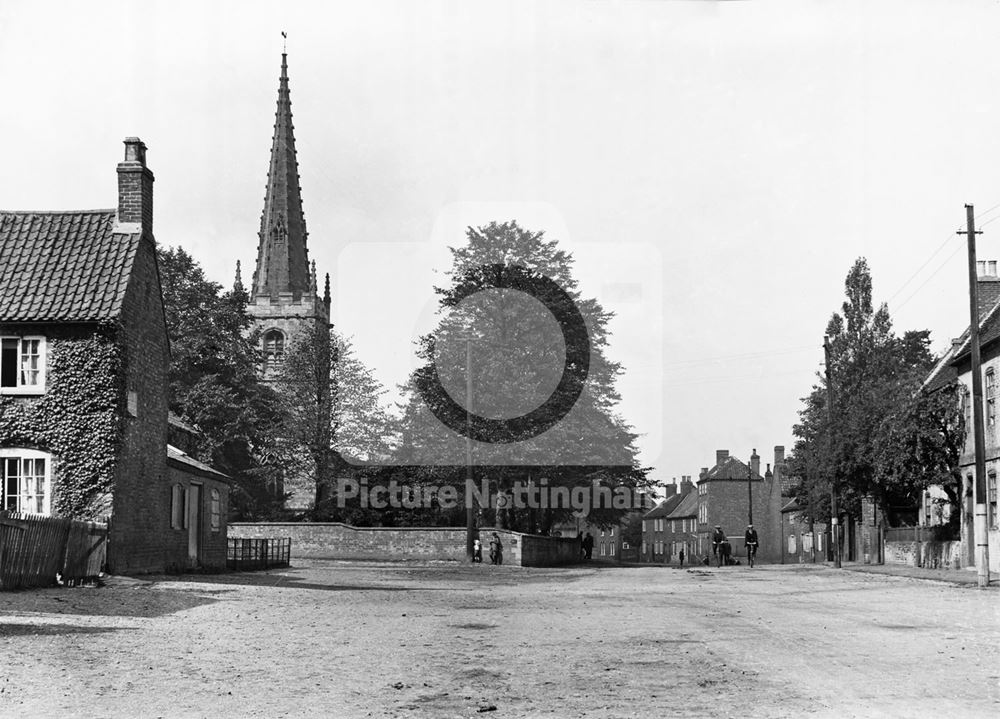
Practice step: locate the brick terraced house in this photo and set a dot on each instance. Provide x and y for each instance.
(84, 357)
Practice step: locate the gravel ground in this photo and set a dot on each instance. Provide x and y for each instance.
(440, 640)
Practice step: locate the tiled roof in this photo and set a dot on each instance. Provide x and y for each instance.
(688, 507)
(63, 266)
(731, 468)
(664, 508)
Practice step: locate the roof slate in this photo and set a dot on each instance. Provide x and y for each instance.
(63, 266)
(189, 462)
(664, 508)
(731, 468)
(688, 506)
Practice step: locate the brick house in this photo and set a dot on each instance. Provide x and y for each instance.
(724, 498)
(671, 526)
(84, 356)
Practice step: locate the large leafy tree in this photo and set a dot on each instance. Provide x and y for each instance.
(335, 419)
(214, 383)
(517, 355)
(882, 439)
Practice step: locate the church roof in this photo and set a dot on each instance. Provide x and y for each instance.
(63, 266)
(282, 257)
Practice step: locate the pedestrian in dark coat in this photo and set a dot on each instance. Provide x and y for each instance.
(496, 549)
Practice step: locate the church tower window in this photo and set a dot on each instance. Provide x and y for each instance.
(274, 350)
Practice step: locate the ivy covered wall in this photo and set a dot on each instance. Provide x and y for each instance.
(78, 420)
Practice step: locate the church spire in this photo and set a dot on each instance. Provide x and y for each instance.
(282, 257)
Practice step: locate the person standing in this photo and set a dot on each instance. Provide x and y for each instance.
(680, 556)
(496, 549)
(588, 545)
(718, 537)
(477, 551)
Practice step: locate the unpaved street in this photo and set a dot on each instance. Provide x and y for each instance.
(358, 640)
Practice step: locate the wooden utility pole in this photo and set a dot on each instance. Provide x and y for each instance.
(979, 521)
(750, 489)
(470, 518)
(834, 484)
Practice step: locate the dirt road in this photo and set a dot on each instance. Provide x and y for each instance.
(360, 640)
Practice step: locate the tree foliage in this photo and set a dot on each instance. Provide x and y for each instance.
(517, 356)
(214, 381)
(883, 437)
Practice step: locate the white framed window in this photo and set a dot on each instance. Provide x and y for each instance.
(215, 510)
(26, 476)
(612, 532)
(612, 547)
(991, 399)
(602, 549)
(274, 350)
(643, 547)
(22, 365)
(645, 525)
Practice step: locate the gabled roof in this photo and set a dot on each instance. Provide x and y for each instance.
(63, 266)
(946, 370)
(731, 469)
(688, 506)
(664, 508)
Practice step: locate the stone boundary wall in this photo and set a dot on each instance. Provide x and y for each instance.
(334, 540)
(930, 555)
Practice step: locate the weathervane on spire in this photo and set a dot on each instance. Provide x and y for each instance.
(284, 41)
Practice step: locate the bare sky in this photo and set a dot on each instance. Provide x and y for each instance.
(716, 167)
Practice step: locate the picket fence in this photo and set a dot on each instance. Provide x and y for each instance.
(35, 551)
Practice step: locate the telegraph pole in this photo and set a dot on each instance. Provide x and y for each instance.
(979, 522)
(750, 489)
(470, 519)
(834, 484)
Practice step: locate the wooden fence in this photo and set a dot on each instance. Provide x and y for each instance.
(258, 553)
(34, 550)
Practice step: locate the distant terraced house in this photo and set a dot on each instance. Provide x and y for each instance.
(84, 357)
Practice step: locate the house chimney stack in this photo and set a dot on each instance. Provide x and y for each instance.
(988, 285)
(670, 489)
(755, 462)
(135, 187)
(779, 455)
(686, 484)
(721, 455)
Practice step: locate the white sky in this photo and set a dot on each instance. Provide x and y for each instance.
(715, 166)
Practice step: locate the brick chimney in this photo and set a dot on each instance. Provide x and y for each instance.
(721, 455)
(779, 455)
(135, 186)
(669, 490)
(686, 484)
(755, 462)
(987, 285)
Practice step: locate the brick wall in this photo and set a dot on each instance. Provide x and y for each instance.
(140, 538)
(727, 506)
(212, 554)
(333, 540)
(932, 555)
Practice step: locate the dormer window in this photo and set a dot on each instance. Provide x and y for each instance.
(22, 365)
(274, 350)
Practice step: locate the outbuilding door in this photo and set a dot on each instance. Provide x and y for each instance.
(194, 524)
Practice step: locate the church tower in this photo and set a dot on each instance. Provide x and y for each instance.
(285, 302)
